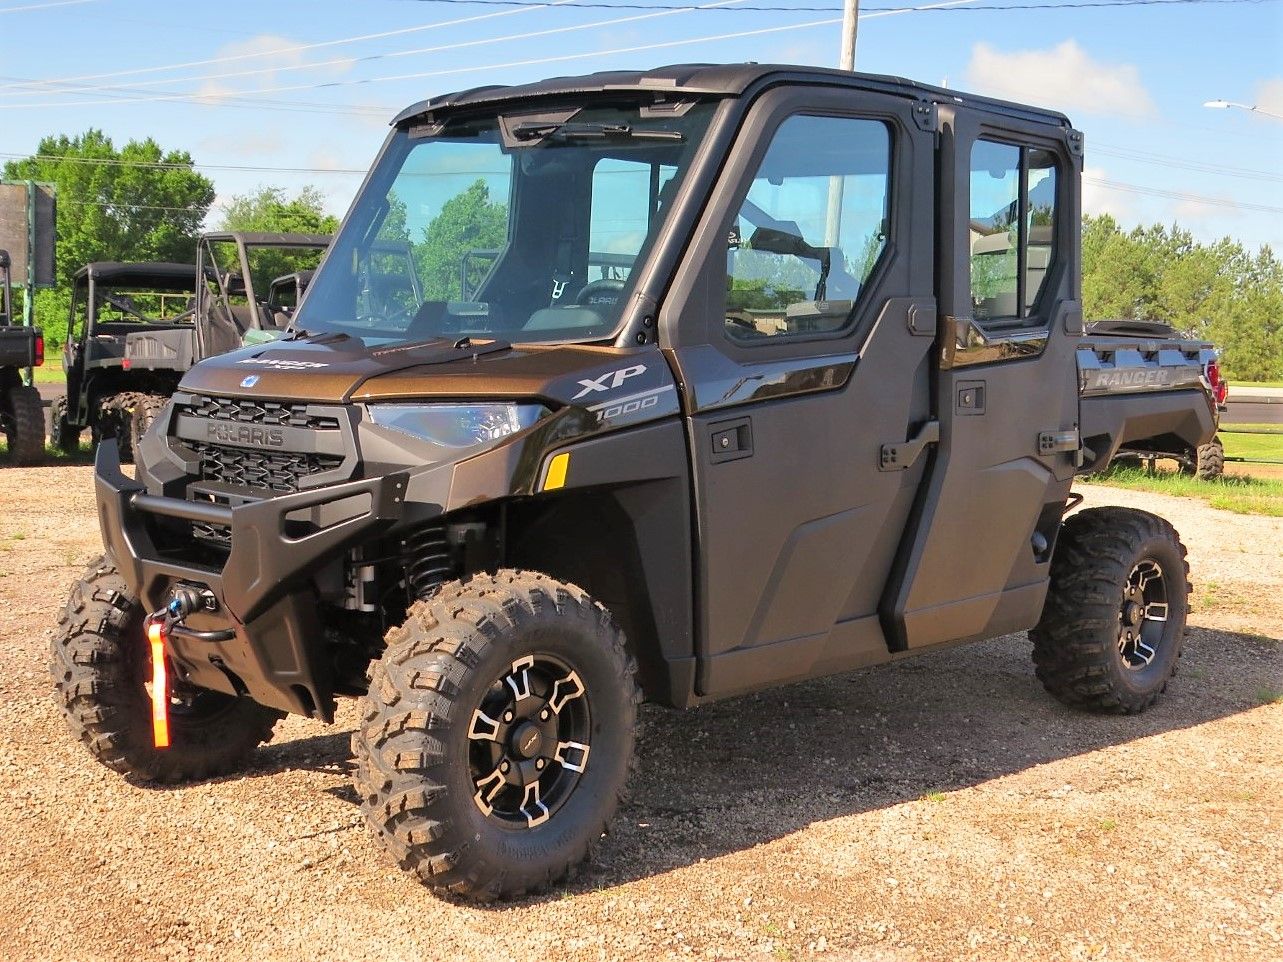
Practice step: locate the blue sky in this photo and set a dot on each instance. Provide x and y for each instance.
(269, 87)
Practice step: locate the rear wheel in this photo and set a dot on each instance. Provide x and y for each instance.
(115, 414)
(101, 666)
(24, 425)
(497, 735)
(1211, 460)
(62, 434)
(1114, 621)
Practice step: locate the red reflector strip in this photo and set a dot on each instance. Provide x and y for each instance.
(40, 351)
(159, 686)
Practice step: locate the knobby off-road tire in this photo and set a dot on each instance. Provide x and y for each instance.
(1211, 460)
(115, 414)
(62, 435)
(101, 664)
(455, 698)
(25, 427)
(1114, 620)
(143, 411)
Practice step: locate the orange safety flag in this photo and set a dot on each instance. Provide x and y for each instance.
(159, 686)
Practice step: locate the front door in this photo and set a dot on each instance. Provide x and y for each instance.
(801, 329)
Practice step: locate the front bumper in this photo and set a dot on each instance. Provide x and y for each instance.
(262, 599)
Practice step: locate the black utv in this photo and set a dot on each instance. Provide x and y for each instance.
(763, 373)
(129, 340)
(22, 417)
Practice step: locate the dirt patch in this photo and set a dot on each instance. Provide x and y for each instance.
(943, 808)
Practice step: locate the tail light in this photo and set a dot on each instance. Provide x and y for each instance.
(1220, 389)
(40, 350)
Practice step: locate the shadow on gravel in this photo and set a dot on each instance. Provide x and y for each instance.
(736, 774)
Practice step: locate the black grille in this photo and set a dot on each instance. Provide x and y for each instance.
(246, 411)
(219, 534)
(267, 470)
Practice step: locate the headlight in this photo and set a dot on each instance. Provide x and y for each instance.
(457, 425)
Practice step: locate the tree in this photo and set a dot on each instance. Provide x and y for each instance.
(1217, 291)
(136, 203)
(271, 210)
(468, 221)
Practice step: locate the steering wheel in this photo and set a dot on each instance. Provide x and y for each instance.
(603, 293)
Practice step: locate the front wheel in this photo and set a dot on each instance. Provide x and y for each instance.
(1114, 621)
(497, 735)
(64, 436)
(101, 666)
(1210, 462)
(145, 408)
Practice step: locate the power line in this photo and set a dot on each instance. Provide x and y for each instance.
(1179, 164)
(536, 61)
(527, 35)
(1178, 195)
(167, 165)
(297, 48)
(1083, 4)
(44, 6)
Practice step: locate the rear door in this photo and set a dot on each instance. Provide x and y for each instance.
(976, 555)
(801, 330)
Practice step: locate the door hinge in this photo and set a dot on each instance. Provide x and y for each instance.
(1056, 442)
(903, 455)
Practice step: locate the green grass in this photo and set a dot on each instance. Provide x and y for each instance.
(1236, 493)
(1256, 383)
(1253, 447)
(50, 372)
(1269, 696)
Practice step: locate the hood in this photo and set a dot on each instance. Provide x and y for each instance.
(336, 369)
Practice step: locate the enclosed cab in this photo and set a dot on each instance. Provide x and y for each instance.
(676, 385)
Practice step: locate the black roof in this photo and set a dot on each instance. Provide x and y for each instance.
(717, 80)
(259, 239)
(153, 274)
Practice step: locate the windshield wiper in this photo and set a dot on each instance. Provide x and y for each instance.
(584, 131)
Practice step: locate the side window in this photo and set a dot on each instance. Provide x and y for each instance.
(1012, 219)
(810, 230)
(626, 194)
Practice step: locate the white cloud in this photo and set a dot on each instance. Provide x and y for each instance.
(1099, 199)
(1064, 77)
(1269, 95)
(257, 63)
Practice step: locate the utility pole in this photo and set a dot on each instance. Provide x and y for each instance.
(850, 27)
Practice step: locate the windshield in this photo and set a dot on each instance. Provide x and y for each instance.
(520, 228)
(137, 304)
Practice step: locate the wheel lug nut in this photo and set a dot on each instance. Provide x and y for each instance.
(504, 767)
(508, 716)
(539, 763)
(545, 715)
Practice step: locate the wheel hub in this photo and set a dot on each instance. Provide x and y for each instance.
(1142, 618)
(528, 741)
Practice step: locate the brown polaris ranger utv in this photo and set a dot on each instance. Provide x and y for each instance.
(698, 380)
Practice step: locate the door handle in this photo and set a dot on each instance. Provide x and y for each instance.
(731, 440)
(902, 455)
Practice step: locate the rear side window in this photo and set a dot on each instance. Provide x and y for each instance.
(1012, 229)
(811, 229)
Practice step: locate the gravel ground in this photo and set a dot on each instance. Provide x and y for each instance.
(943, 808)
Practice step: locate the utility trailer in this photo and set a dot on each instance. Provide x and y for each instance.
(823, 412)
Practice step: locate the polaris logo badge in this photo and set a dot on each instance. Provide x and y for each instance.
(609, 381)
(283, 364)
(249, 434)
(250, 381)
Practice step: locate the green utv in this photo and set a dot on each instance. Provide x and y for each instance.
(695, 381)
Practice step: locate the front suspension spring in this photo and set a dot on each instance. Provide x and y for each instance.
(428, 562)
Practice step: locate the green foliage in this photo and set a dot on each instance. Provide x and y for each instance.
(1218, 291)
(270, 210)
(468, 221)
(113, 209)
